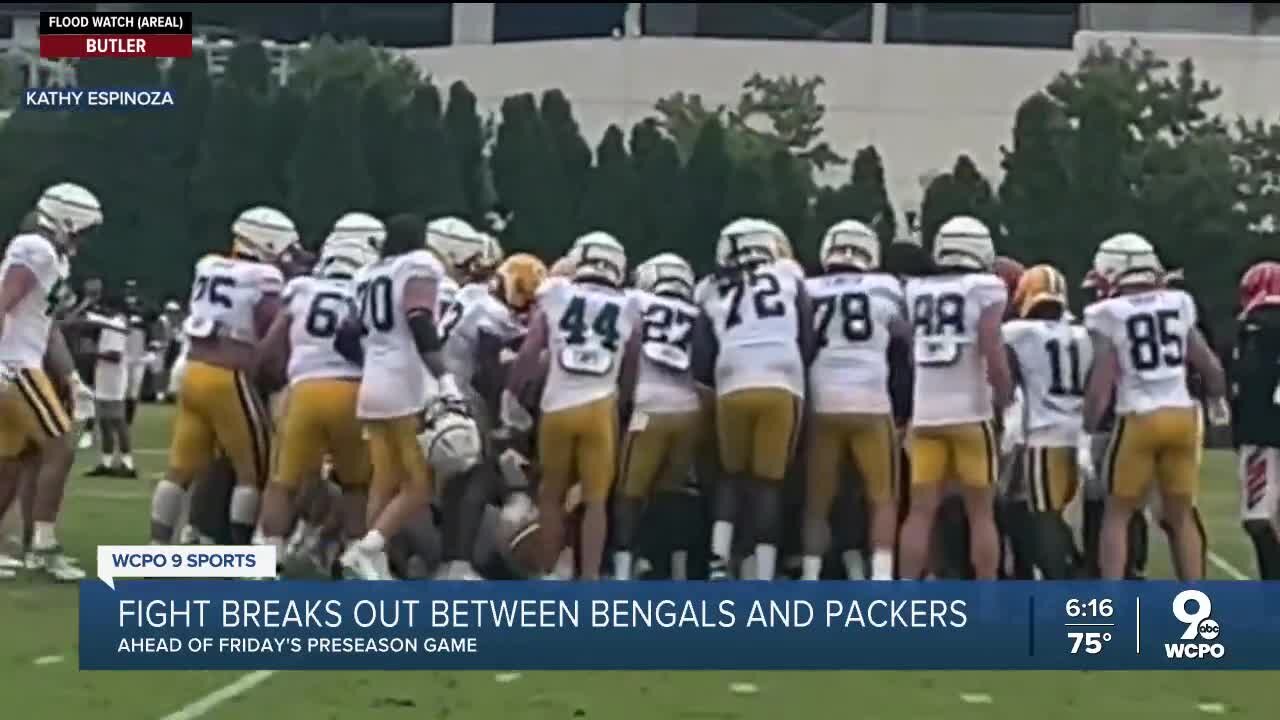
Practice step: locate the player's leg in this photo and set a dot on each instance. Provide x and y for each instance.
(1129, 468)
(556, 440)
(56, 444)
(1260, 505)
(875, 450)
(1052, 479)
(644, 452)
(242, 426)
(775, 434)
(929, 455)
(302, 445)
(1177, 470)
(191, 446)
(824, 450)
(975, 462)
(734, 426)
(597, 469)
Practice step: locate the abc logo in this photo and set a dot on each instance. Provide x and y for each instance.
(1193, 608)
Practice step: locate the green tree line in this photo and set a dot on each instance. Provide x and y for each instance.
(1122, 142)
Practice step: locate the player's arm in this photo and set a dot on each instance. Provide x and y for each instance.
(272, 353)
(1102, 381)
(266, 309)
(629, 372)
(419, 304)
(806, 335)
(17, 283)
(58, 358)
(110, 351)
(1205, 361)
(705, 348)
(526, 367)
(991, 345)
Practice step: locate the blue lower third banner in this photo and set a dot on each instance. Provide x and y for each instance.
(225, 625)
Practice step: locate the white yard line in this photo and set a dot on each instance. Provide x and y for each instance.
(1226, 567)
(201, 707)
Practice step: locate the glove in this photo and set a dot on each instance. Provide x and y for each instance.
(81, 399)
(1219, 412)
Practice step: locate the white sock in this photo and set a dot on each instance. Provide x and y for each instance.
(747, 568)
(680, 565)
(622, 565)
(373, 541)
(245, 500)
(881, 564)
(128, 461)
(44, 535)
(853, 565)
(812, 567)
(721, 539)
(564, 564)
(109, 460)
(166, 504)
(766, 561)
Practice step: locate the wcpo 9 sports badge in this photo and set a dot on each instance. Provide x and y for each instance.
(115, 34)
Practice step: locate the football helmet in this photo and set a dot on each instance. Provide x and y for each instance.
(359, 225)
(666, 274)
(1127, 259)
(491, 256)
(451, 439)
(964, 243)
(748, 241)
(262, 233)
(849, 245)
(68, 208)
(517, 280)
(600, 257)
(562, 268)
(1260, 285)
(342, 258)
(455, 242)
(1040, 284)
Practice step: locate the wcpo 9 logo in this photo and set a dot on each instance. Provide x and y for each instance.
(1194, 609)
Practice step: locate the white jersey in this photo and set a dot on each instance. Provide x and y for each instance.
(1053, 359)
(951, 385)
(588, 326)
(448, 305)
(1149, 332)
(852, 314)
(26, 328)
(225, 294)
(110, 379)
(479, 312)
(317, 307)
(396, 382)
(665, 383)
(757, 329)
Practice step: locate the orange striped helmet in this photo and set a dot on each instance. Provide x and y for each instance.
(1259, 285)
(1040, 284)
(517, 280)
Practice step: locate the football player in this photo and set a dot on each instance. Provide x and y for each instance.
(32, 278)
(1144, 339)
(752, 344)
(320, 416)
(667, 420)
(962, 378)
(397, 341)
(1255, 412)
(857, 311)
(1050, 359)
(234, 299)
(459, 247)
(592, 330)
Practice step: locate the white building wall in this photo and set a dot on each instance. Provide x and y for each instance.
(920, 106)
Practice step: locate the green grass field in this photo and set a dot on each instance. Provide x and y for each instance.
(39, 676)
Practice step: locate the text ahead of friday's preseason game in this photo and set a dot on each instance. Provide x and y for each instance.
(115, 34)
(287, 625)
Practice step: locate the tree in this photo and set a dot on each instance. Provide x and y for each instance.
(530, 180)
(963, 191)
(864, 197)
(664, 206)
(788, 198)
(566, 142)
(609, 202)
(327, 175)
(441, 193)
(466, 138)
(705, 177)
(1035, 184)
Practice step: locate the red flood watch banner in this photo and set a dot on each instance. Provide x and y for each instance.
(115, 34)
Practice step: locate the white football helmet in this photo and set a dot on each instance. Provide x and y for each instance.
(68, 208)
(1127, 259)
(599, 256)
(666, 274)
(491, 256)
(748, 241)
(263, 233)
(341, 258)
(964, 243)
(361, 226)
(451, 441)
(455, 241)
(850, 244)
